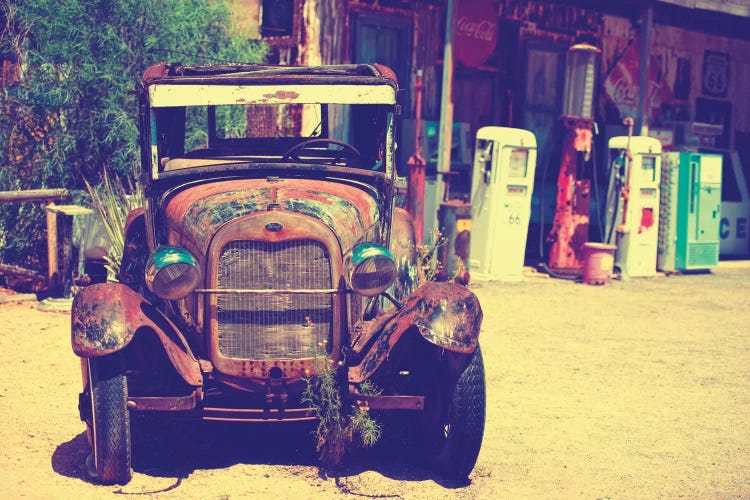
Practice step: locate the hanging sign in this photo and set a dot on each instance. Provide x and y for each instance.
(622, 83)
(475, 31)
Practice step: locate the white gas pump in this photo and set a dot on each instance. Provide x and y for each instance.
(501, 187)
(633, 204)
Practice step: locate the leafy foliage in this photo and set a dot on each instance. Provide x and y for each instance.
(74, 111)
(428, 258)
(340, 426)
(113, 204)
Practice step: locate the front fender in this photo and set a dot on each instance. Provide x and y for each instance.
(447, 315)
(106, 316)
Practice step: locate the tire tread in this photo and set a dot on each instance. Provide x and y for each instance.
(113, 432)
(459, 455)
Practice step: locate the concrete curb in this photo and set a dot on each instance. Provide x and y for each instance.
(734, 264)
(55, 305)
(17, 297)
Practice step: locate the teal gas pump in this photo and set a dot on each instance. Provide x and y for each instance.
(690, 211)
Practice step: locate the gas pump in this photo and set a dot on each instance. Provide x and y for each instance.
(633, 203)
(502, 184)
(570, 228)
(691, 211)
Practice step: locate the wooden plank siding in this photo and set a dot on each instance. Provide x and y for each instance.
(734, 7)
(327, 38)
(671, 44)
(494, 93)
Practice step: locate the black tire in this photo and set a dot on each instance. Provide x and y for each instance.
(110, 421)
(458, 439)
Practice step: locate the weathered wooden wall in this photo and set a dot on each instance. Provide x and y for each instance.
(679, 50)
(247, 16)
(551, 17)
(673, 44)
(736, 7)
(334, 39)
(617, 33)
(326, 37)
(428, 47)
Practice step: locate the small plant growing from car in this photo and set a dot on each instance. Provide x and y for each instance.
(428, 257)
(340, 426)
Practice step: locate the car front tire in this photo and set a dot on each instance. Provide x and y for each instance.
(110, 462)
(457, 440)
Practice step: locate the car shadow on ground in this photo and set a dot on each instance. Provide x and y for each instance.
(68, 458)
(174, 449)
(398, 455)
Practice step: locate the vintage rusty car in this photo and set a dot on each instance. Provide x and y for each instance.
(270, 237)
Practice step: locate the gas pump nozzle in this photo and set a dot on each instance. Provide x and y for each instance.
(485, 158)
(626, 157)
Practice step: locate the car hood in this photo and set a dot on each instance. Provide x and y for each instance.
(197, 212)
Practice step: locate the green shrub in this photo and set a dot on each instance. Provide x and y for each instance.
(341, 426)
(74, 112)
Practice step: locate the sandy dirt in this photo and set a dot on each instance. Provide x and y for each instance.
(639, 389)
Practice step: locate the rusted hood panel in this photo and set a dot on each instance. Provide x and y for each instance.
(197, 212)
(447, 315)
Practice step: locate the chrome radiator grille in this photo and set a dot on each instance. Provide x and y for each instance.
(273, 325)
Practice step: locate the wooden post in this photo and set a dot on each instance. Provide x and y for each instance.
(647, 21)
(446, 111)
(56, 279)
(52, 266)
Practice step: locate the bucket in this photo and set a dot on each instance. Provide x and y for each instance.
(598, 261)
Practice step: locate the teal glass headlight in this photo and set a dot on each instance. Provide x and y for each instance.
(172, 272)
(370, 269)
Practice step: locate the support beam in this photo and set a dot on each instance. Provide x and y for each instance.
(446, 112)
(647, 25)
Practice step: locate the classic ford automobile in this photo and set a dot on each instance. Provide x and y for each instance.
(270, 238)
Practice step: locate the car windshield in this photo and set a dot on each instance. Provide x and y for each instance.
(216, 125)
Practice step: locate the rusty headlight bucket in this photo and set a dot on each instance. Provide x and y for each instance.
(370, 269)
(172, 272)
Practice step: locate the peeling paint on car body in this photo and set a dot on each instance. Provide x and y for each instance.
(166, 95)
(105, 317)
(447, 315)
(198, 211)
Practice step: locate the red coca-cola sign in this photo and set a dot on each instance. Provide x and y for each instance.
(475, 31)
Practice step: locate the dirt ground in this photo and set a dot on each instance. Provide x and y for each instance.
(639, 389)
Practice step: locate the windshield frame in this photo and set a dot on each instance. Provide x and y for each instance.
(174, 94)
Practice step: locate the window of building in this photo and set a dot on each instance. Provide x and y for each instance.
(277, 18)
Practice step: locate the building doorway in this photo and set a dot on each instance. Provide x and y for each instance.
(387, 40)
(541, 93)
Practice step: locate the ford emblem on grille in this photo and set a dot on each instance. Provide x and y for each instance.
(274, 227)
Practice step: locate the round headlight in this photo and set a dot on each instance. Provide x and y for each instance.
(370, 269)
(172, 272)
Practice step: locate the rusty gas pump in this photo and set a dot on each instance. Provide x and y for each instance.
(570, 228)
